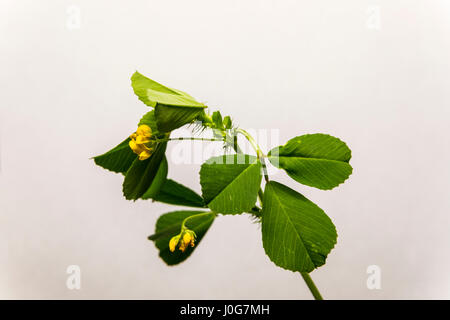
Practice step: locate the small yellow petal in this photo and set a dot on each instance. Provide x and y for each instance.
(138, 148)
(173, 244)
(133, 145)
(144, 155)
(187, 238)
(144, 130)
(182, 246)
(142, 140)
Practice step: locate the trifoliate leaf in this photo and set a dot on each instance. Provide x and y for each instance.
(230, 183)
(169, 225)
(297, 234)
(316, 160)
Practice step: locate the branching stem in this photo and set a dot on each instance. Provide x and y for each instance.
(309, 282)
(261, 156)
(258, 151)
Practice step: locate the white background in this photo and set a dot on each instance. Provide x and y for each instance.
(296, 66)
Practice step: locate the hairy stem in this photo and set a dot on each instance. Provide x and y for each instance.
(188, 138)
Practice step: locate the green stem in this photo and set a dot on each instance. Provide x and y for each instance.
(238, 150)
(235, 145)
(252, 141)
(187, 138)
(309, 282)
(183, 227)
(258, 151)
(312, 287)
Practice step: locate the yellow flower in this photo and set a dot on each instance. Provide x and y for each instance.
(140, 142)
(133, 145)
(183, 246)
(145, 154)
(183, 240)
(187, 238)
(144, 130)
(173, 243)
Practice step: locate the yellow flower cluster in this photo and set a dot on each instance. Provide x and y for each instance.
(140, 142)
(185, 239)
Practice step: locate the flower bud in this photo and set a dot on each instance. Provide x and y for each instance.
(173, 243)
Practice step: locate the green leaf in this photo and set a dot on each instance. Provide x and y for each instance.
(297, 234)
(150, 120)
(227, 122)
(169, 225)
(169, 118)
(217, 119)
(152, 93)
(173, 108)
(158, 181)
(177, 194)
(316, 160)
(230, 183)
(118, 159)
(141, 175)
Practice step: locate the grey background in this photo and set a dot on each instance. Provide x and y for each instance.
(296, 66)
